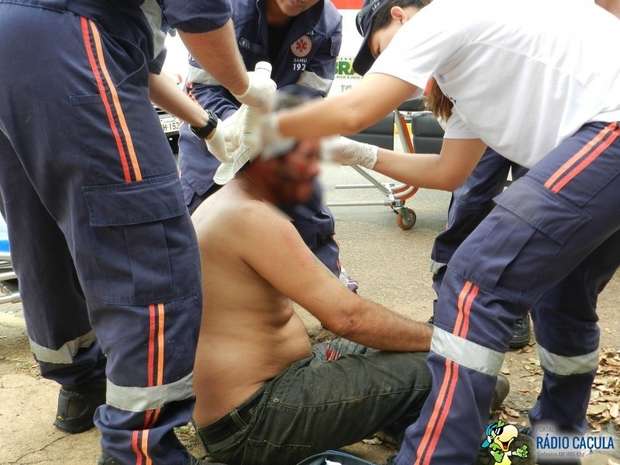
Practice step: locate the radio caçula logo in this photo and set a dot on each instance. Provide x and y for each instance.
(550, 443)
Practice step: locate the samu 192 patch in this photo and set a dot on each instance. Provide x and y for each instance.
(302, 46)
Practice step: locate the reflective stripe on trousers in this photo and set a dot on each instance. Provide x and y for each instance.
(141, 399)
(65, 353)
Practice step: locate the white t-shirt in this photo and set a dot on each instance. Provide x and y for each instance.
(523, 75)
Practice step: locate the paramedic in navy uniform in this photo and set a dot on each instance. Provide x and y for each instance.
(301, 40)
(551, 104)
(101, 240)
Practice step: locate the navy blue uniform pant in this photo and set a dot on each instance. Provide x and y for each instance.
(548, 228)
(570, 306)
(312, 219)
(102, 243)
(472, 202)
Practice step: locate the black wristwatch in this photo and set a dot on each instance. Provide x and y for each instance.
(205, 131)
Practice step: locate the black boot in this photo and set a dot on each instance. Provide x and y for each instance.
(502, 388)
(76, 406)
(106, 460)
(520, 333)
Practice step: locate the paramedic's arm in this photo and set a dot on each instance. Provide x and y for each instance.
(165, 94)
(613, 6)
(217, 52)
(290, 267)
(365, 104)
(446, 171)
(207, 30)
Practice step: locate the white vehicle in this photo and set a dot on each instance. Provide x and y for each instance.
(8, 280)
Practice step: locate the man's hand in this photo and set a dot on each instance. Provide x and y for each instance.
(349, 152)
(260, 93)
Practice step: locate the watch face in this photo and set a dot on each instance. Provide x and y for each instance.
(205, 131)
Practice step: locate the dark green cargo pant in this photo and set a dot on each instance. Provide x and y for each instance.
(318, 404)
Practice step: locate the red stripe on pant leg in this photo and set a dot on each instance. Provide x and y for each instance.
(116, 101)
(156, 414)
(579, 155)
(145, 447)
(160, 344)
(586, 161)
(444, 414)
(467, 310)
(151, 347)
(135, 439)
(148, 415)
(442, 392)
(465, 302)
(104, 98)
(459, 306)
(435, 415)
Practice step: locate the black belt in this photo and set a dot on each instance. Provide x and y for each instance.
(230, 423)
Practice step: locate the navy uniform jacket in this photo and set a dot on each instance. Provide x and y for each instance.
(306, 60)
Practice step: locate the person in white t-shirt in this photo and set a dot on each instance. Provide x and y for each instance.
(539, 82)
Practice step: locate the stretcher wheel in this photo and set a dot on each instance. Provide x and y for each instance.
(406, 218)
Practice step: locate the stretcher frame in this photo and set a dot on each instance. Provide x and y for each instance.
(395, 194)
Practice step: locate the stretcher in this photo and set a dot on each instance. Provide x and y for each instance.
(395, 194)
(8, 279)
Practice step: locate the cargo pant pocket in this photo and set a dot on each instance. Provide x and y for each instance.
(142, 244)
(517, 244)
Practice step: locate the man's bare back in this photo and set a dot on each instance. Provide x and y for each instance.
(249, 331)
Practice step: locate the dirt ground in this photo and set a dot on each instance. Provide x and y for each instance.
(392, 267)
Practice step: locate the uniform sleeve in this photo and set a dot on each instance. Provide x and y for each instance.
(156, 65)
(455, 128)
(196, 15)
(425, 43)
(317, 78)
(216, 99)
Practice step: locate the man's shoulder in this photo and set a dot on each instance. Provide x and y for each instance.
(252, 212)
(226, 215)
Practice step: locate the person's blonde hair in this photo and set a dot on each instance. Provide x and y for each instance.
(436, 101)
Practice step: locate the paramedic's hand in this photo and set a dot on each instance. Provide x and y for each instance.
(349, 152)
(260, 93)
(217, 143)
(238, 136)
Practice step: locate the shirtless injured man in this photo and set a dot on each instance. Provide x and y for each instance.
(264, 396)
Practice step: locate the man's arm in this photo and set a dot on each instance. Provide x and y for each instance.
(269, 243)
